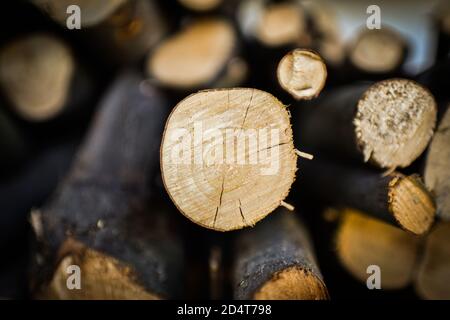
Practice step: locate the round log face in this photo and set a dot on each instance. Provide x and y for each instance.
(227, 157)
(365, 53)
(394, 122)
(35, 75)
(302, 73)
(194, 56)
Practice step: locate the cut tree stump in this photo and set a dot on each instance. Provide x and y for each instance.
(437, 167)
(275, 260)
(100, 219)
(227, 157)
(362, 241)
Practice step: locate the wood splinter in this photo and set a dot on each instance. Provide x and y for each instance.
(302, 73)
(221, 149)
(275, 260)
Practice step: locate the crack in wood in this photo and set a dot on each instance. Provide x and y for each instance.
(220, 202)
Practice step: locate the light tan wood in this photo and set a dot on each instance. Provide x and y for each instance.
(195, 56)
(35, 75)
(433, 276)
(363, 241)
(200, 5)
(365, 51)
(281, 24)
(410, 203)
(102, 278)
(293, 284)
(394, 122)
(92, 11)
(213, 188)
(437, 167)
(302, 73)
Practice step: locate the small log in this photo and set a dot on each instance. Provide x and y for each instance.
(364, 52)
(437, 167)
(201, 54)
(35, 76)
(302, 73)
(275, 260)
(100, 217)
(389, 123)
(221, 150)
(120, 31)
(362, 241)
(395, 198)
(433, 274)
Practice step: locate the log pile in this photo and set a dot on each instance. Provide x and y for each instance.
(188, 148)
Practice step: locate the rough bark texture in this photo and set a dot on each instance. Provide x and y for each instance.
(100, 218)
(389, 123)
(275, 261)
(394, 198)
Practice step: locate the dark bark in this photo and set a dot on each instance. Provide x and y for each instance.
(276, 244)
(104, 203)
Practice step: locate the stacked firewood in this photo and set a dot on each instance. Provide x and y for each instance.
(218, 149)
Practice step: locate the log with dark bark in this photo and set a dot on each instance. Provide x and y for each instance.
(395, 198)
(362, 241)
(100, 218)
(119, 31)
(275, 260)
(437, 167)
(388, 123)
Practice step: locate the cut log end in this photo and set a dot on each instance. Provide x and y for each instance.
(394, 122)
(302, 73)
(437, 167)
(281, 24)
(365, 52)
(35, 75)
(221, 151)
(200, 5)
(102, 277)
(195, 56)
(433, 275)
(411, 204)
(363, 241)
(293, 283)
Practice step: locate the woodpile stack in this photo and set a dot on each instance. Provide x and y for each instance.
(219, 149)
